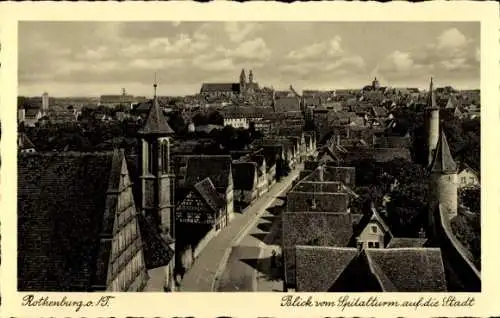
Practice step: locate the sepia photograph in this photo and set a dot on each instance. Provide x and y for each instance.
(248, 156)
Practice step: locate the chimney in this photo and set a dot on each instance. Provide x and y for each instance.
(321, 173)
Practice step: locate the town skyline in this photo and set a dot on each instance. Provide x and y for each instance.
(104, 57)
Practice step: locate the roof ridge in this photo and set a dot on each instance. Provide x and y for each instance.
(379, 274)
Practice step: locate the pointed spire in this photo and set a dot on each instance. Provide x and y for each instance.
(155, 85)
(443, 160)
(431, 102)
(156, 124)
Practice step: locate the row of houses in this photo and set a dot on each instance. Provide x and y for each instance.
(329, 248)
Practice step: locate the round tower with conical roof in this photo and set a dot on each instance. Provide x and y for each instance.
(432, 119)
(443, 178)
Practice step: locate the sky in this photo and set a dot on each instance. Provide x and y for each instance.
(94, 58)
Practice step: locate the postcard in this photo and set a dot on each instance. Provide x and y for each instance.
(249, 159)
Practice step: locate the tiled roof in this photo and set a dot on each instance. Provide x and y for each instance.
(134, 173)
(156, 123)
(318, 267)
(217, 168)
(220, 87)
(61, 204)
(287, 104)
(156, 248)
(32, 112)
(397, 242)
(317, 202)
(388, 154)
(244, 175)
(317, 186)
(373, 217)
(290, 131)
(208, 192)
(316, 229)
(443, 161)
(408, 269)
(312, 101)
(347, 175)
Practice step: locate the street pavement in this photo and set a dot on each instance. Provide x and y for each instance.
(249, 264)
(210, 265)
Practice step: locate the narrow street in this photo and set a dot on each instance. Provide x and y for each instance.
(248, 267)
(240, 240)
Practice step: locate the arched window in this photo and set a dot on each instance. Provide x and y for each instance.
(164, 156)
(150, 157)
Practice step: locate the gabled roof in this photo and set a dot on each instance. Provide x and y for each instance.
(318, 267)
(373, 217)
(287, 104)
(217, 168)
(32, 112)
(220, 87)
(443, 161)
(398, 242)
(244, 175)
(63, 209)
(156, 124)
(316, 228)
(23, 142)
(209, 194)
(408, 269)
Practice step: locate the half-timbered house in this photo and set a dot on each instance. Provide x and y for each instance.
(200, 215)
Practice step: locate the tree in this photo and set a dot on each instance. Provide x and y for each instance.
(215, 118)
(176, 121)
(467, 229)
(200, 119)
(471, 198)
(407, 209)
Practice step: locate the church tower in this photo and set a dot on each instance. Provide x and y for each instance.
(243, 81)
(443, 178)
(250, 78)
(432, 119)
(156, 175)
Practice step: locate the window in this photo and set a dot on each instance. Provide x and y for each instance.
(472, 179)
(370, 244)
(374, 229)
(376, 244)
(164, 156)
(149, 162)
(463, 180)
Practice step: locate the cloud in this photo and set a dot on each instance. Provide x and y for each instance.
(252, 50)
(319, 50)
(400, 61)
(451, 39)
(327, 57)
(238, 31)
(451, 52)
